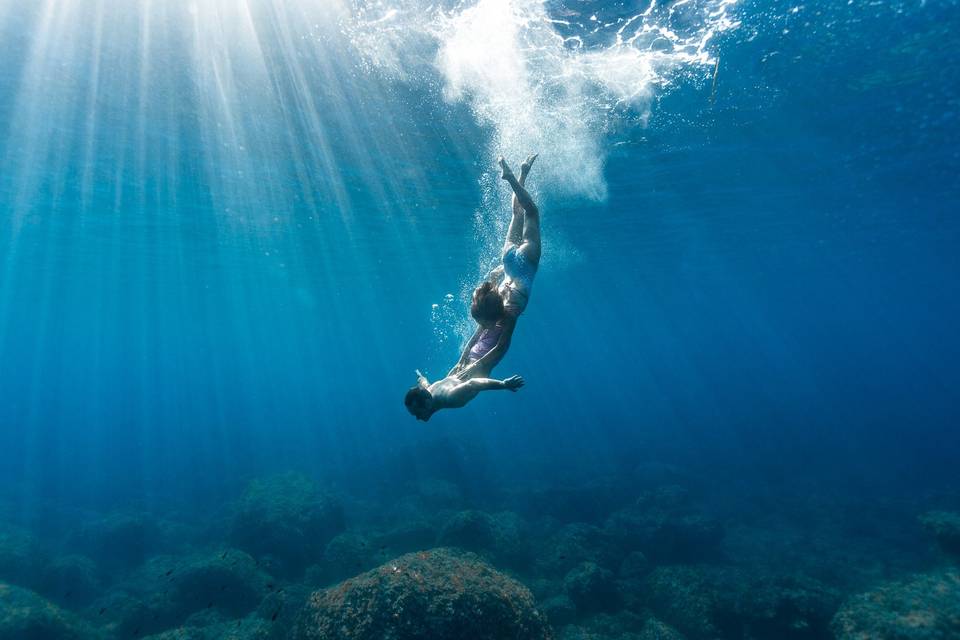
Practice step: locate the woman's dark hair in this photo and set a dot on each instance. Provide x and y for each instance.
(416, 397)
(487, 304)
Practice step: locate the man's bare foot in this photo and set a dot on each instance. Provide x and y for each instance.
(505, 171)
(525, 167)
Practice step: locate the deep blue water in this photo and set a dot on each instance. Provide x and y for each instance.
(219, 254)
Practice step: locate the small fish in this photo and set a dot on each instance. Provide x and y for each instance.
(269, 586)
(102, 611)
(210, 605)
(68, 594)
(223, 587)
(167, 574)
(223, 555)
(276, 613)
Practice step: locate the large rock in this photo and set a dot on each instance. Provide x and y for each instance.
(345, 556)
(667, 527)
(926, 607)
(119, 541)
(945, 527)
(498, 537)
(439, 594)
(573, 544)
(591, 587)
(709, 602)
(71, 580)
(26, 616)
(286, 519)
(168, 590)
(244, 629)
(21, 557)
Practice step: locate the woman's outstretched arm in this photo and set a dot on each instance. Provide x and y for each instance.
(493, 357)
(462, 362)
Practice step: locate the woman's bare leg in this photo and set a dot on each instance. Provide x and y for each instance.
(530, 245)
(515, 231)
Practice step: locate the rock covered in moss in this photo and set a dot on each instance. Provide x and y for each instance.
(708, 602)
(591, 587)
(345, 556)
(655, 629)
(21, 557)
(945, 527)
(573, 544)
(497, 537)
(286, 518)
(440, 594)
(667, 527)
(119, 540)
(926, 607)
(73, 580)
(243, 629)
(560, 610)
(24, 615)
(169, 591)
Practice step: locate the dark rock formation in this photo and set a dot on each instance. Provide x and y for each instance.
(21, 557)
(591, 587)
(72, 580)
(560, 610)
(709, 602)
(665, 526)
(439, 594)
(285, 518)
(945, 527)
(497, 537)
(572, 545)
(26, 616)
(926, 607)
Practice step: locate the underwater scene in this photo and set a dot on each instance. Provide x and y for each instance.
(479, 319)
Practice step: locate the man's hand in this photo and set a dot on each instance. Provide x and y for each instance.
(513, 383)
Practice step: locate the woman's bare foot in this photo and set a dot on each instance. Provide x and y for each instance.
(525, 167)
(505, 171)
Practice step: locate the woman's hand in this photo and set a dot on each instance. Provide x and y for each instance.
(513, 383)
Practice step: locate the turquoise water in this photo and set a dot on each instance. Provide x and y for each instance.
(230, 231)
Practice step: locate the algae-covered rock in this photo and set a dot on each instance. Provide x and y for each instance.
(286, 518)
(24, 615)
(654, 629)
(497, 537)
(926, 607)
(560, 610)
(667, 527)
(945, 527)
(709, 602)
(118, 541)
(591, 587)
(439, 594)
(243, 629)
(169, 591)
(21, 557)
(573, 544)
(73, 580)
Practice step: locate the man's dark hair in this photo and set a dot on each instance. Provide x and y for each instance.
(416, 397)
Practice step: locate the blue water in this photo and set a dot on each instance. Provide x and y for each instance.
(224, 227)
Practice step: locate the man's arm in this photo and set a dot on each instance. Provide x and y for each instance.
(490, 384)
(422, 381)
(467, 391)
